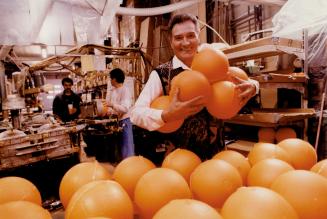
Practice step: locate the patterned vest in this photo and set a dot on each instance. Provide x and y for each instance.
(200, 133)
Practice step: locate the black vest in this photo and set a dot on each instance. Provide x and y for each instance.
(200, 133)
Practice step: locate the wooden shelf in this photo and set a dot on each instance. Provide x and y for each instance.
(241, 146)
(281, 78)
(269, 46)
(272, 117)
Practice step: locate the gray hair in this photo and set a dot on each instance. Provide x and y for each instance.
(181, 18)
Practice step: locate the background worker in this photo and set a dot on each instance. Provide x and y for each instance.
(66, 105)
(119, 101)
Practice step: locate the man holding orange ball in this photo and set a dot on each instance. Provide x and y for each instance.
(200, 132)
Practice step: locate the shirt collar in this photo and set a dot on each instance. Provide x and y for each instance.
(177, 63)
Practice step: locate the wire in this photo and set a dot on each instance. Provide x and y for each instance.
(205, 24)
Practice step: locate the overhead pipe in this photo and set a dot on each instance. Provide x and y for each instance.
(156, 10)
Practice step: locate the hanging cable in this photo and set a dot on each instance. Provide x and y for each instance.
(220, 37)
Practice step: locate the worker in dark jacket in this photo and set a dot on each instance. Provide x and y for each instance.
(66, 105)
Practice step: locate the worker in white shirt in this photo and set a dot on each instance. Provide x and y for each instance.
(119, 101)
(200, 132)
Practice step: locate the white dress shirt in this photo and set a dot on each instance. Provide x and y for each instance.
(144, 116)
(121, 99)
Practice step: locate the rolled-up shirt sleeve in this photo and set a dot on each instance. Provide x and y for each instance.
(141, 114)
(256, 84)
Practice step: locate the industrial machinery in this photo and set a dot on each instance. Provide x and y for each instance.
(29, 137)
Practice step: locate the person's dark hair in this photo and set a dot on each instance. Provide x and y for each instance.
(181, 18)
(67, 80)
(117, 74)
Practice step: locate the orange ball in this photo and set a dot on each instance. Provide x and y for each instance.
(130, 170)
(224, 102)
(183, 161)
(18, 189)
(162, 103)
(266, 171)
(301, 153)
(237, 72)
(320, 168)
(284, 133)
(266, 135)
(78, 176)
(190, 84)
(187, 208)
(237, 160)
(23, 210)
(98, 218)
(261, 151)
(105, 198)
(212, 63)
(156, 188)
(213, 181)
(305, 191)
(257, 202)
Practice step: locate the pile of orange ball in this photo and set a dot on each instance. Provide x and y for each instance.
(211, 77)
(281, 180)
(270, 135)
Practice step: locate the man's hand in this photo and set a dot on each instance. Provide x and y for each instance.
(246, 89)
(107, 104)
(180, 110)
(72, 110)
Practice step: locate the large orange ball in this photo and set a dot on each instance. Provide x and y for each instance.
(213, 181)
(224, 102)
(320, 168)
(18, 189)
(98, 218)
(162, 103)
(23, 210)
(190, 84)
(105, 198)
(78, 176)
(237, 72)
(130, 170)
(266, 171)
(266, 135)
(183, 161)
(187, 208)
(257, 202)
(301, 153)
(156, 188)
(305, 191)
(285, 133)
(261, 151)
(237, 160)
(212, 63)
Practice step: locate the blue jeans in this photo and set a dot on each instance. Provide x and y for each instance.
(127, 141)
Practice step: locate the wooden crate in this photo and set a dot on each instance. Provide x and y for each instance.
(18, 151)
